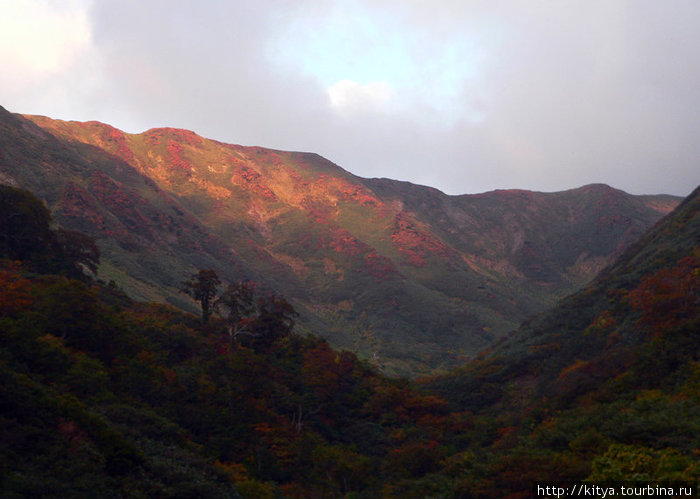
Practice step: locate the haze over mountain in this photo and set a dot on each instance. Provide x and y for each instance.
(403, 274)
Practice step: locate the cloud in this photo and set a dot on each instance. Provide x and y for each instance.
(39, 40)
(53, 37)
(463, 96)
(349, 97)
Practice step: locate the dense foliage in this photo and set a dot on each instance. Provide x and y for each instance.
(101, 396)
(604, 386)
(26, 234)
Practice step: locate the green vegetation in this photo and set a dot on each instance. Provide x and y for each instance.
(25, 234)
(202, 287)
(104, 396)
(604, 386)
(426, 279)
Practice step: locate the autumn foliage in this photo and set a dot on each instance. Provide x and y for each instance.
(670, 295)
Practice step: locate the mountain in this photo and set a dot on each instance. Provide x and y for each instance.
(605, 385)
(101, 396)
(104, 396)
(405, 275)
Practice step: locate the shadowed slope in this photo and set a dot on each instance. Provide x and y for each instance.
(402, 274)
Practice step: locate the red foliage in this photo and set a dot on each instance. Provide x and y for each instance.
(406, 405)
(670, 295)
(116, 140)
(15, 292)
(415, 458)
(358, 194)
(380, 267)
(123, 205)
(507, 437)
(343, 242)
(251, 179)
(347, 190)
(176, 159)
(322, 370)
(71, 431)
(155, 136)
(415, 245)
(77, 203)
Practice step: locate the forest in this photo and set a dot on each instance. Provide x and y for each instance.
(104, 396)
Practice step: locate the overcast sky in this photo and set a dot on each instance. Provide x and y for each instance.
(465, 96)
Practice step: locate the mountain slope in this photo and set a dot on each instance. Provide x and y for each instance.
(657, 276)
(403, 274)
(103, 395)
(606, 384)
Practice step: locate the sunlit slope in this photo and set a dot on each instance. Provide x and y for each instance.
(405, 275)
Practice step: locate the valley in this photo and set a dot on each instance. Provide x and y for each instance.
(414, 279)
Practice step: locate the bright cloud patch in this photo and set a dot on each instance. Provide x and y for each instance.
(348, 96)
(42, 36)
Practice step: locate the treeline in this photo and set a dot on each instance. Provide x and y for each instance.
(26, 234)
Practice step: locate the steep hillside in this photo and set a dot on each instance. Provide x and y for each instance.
(104, 396)
(101, 396)
(606, 385)
(405, 275)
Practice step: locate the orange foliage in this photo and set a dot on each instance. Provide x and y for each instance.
(116, 141)
(15, 292)
(670, 295)
(577, 366)
(507, 437)
(415, 244)
(251, 179)
(235, 472)
(175, 157)
(320, 370)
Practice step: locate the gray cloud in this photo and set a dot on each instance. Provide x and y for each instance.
(565, 93)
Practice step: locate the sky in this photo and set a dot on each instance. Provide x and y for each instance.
(465, 96)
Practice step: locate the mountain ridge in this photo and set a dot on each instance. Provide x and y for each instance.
(403, 273)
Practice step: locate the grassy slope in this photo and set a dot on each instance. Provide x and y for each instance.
(400, 273)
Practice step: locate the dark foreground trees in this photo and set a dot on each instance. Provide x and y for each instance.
(249, 319)
(26, 235)
(202, 286)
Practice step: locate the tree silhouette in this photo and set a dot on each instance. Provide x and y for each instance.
(202, 286)
(24, 226)
(275, 319)
(25, 235)
(238, 302)
(78, 251)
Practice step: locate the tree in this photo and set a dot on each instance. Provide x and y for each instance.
(202, 286)
(78, 251)
(25, 235)
(24, 227)
(238, 302)
(275, 319)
